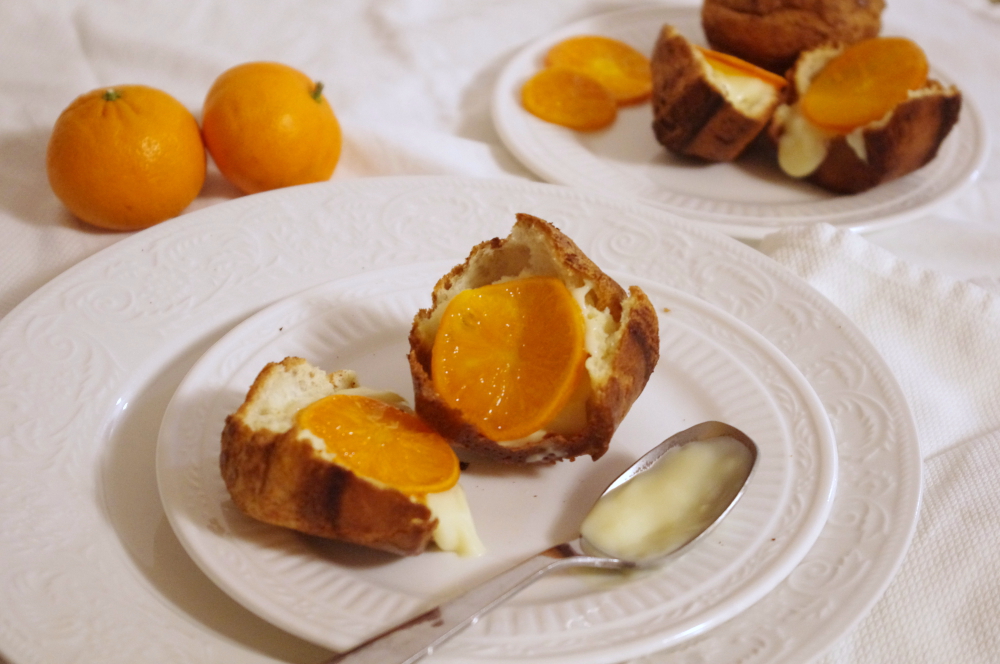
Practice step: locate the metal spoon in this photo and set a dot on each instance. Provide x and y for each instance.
(417, 638)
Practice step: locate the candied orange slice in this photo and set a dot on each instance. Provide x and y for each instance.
(509, 355)
(617, 66)
(866, 81)
(733, 66)
(382, 443)
(568, 98)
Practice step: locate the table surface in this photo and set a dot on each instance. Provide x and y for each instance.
(411, 82)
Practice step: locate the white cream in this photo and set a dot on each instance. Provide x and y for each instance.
(455, 530)
(663, 508)
(749, 95)
(385, 396)
(802, 146)
(600, 327)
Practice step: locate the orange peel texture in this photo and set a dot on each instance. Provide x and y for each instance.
(866, 81)
(730, 64)
(268, 125)
(126, 157)
(570, 99)
(621, 69)
(379, 442)
(509, 355)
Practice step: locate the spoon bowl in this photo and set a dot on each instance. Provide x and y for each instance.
(418, 637)
(715, 487)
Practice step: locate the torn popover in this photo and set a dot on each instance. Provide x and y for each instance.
(530, 353)
(708, 104)
(861, 115)
(316, 453)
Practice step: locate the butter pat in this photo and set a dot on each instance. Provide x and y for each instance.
(749, 95)
(665, 507)
(455, 530)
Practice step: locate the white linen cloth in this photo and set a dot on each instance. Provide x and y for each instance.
(411, 81)
(941, 338)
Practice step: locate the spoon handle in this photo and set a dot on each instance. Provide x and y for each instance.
(418, 637)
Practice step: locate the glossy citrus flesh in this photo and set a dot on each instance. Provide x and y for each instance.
(570, 99)
(621, 69)
(509, 355)
(866, 81)
(379, 442)
(268, 125)
(733, 66)
(126, 157)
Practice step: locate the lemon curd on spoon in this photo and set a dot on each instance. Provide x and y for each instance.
(664, 508)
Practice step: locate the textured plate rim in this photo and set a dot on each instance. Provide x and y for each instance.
(505, 114)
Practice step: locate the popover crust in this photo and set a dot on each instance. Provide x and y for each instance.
(537, 246)
(772, 33)
(894, 146)
(690, 115)
(278, 477)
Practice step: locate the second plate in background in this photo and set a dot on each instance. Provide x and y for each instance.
(747, 198)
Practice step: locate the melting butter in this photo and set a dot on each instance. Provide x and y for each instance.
(803, 146)
(665, 507)
(749, 95)
(455, 530)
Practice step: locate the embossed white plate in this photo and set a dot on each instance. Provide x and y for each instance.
(90, 568)
(712, 367)
(747, 198)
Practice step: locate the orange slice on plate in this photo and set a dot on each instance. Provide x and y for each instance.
(621, 69)
(379, 442)
(568, 98)
(509, 355)
(862, 84)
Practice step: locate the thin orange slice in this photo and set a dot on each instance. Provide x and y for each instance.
(617, 66)
(509, 355)
(733, 66)
(382, 443)
(866, 81)
(568, 98)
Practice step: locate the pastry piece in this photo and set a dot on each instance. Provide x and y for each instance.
(280, 467)
(772, 33)
(707, 104)
(829, 137)
(620, 338)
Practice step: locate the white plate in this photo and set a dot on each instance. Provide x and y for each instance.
(747, 198)
(712, 367)
(90, 569)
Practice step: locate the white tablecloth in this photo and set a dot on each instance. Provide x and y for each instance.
(411, 80)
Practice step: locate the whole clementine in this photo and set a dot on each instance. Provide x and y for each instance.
(126, 157)
(267, 125)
